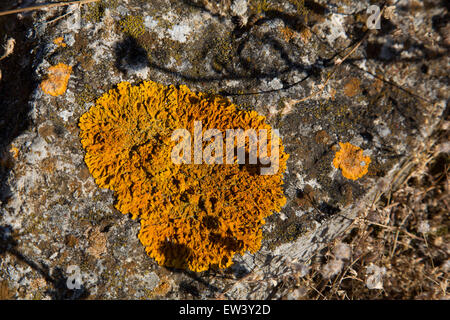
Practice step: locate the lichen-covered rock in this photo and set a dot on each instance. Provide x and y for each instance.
(57, 225)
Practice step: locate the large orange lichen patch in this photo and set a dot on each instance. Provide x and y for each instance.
(192, 215)
(57, 79)
(351, 161)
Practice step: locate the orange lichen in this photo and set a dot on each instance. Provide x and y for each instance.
(352, 88)
(15, 152)
(57, 79)
(60, 42)
(351, 161)
(322, 137)
(305, 35)
(192, 215)
(287, 33)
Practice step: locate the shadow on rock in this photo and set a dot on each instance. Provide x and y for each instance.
(17, 84)
(130, 56)
(56, 279)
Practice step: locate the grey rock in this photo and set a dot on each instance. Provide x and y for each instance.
(52, 214)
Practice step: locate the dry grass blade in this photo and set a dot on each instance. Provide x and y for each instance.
(9, 48)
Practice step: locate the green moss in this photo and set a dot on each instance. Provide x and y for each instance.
(442, 231)
(94, 12)
(262, 6)
(113, 4)
(87, 95)
(132, 25)
(300, 6)
(223, 52)
(37, 296)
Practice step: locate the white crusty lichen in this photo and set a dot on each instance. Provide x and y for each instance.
(239, 7)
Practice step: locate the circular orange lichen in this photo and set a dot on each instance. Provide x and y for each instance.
(192, 215)
(351, 160)
(57, 79)
(352, 88)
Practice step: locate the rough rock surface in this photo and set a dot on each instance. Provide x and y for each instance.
(264, 55)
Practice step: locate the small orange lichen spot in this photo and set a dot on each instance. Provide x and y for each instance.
(351, 88)
(287, 33)
(305, 35)
(60, 42)
(15, 152)
(351, 161)
(192, 215)
(376, 86)
(57, 79)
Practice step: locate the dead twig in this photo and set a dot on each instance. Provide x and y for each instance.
(393, 229)
(60, 17)
(46, 6)
(397, 233)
